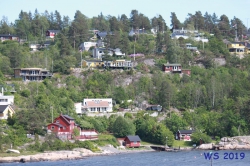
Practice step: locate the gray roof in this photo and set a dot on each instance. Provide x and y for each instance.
(55, 31)
(173, 64)
(133, 138)
(68, 117)
(3, 107)
(186, 131)
(7, 35)
(57, 124)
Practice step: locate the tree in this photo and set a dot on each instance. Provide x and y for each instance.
(198, 136)
(124, 23)
(123, 127)
(175, 23)
(78, 31)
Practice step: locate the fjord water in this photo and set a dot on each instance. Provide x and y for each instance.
(187, 158)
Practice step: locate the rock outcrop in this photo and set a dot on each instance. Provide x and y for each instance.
(227, 143)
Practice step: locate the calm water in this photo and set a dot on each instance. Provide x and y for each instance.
(190, 158)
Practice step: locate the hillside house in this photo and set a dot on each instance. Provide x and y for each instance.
(32, 74)
(4, 37)
(137, 32)
(86, 46)
(239, 47)
(154, 108)
(64, 125)
(120, 63)
(172, 68)
(97, 105)
(6, 100)
(92, 63)
(184, 135)
(6, 111)
(175, 68)
(52, 33)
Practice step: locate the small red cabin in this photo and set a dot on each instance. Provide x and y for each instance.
(132, 141)
(173, 68)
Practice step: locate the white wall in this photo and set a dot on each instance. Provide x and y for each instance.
(109, 100)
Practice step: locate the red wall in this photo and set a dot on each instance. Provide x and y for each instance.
(132, 144)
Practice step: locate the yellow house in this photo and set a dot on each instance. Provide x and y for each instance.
(239, 47)
(92, 63)
(5, 111)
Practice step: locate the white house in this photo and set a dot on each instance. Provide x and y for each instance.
(86, 46)
(118, 52)
(6, 100)
(99, 52)
(98, 105)
(78, 108)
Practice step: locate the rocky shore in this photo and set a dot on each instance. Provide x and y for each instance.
(77, 153)
(227, 143)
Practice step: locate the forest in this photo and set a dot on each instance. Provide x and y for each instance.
(213, 100)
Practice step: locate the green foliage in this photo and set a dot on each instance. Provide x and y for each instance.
(197, 136)
(123, 127)
(149, 130)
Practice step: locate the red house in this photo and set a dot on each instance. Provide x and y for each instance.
(132, 141)
(51, 33)
(173, 68)
(63, 126)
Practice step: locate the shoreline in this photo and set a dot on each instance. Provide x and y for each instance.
(75, 154)
(82, 153)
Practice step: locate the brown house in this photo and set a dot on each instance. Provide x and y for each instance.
(32, 74)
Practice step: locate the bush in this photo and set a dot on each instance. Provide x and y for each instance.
(196, 136)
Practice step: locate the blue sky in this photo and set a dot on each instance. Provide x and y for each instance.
(150, 8)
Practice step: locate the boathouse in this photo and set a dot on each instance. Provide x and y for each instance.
(132, 141)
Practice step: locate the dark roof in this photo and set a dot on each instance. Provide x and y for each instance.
(103, 34)
(243, 43)
(68, 117)
(7, 35)
(3, 107)
(172, 64)
(186, 131)
(133, 138)
(55, 31)
(57, 124)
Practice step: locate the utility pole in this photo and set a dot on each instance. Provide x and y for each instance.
(81, 59)
(247, 23)
(74, 39)
(46, 60)
(51, 114)
(236, 37)
(52, 66)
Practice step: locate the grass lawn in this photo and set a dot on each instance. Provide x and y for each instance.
(148, 143)
(178, 143)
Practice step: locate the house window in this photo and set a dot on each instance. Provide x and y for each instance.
(135, 142)
(92, 109)
(57, 121)
(52, 127)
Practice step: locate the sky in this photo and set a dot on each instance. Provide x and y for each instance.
(150, 8)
